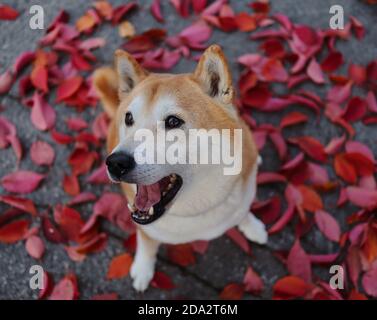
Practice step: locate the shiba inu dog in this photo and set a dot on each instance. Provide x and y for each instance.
(185, 202)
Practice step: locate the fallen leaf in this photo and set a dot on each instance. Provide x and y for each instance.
(119, 266)
(41, 153)
(232, 291)
(22, 181)
(35, 247)
(298, 262)
(162, 281)
(14, 231)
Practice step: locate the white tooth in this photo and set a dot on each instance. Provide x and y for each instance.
(170, 185)
(164, 193)
(131, 207)
(151, 211)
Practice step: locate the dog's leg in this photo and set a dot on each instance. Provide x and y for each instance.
(253, 229)
(142, 269)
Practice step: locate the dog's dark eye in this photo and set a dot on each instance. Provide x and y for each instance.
(129, 120)
(172, 122)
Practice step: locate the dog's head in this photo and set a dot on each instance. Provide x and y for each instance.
(170, 104)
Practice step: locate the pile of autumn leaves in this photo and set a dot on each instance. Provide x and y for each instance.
(289, 54)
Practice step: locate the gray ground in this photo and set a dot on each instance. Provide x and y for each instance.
(224, 262)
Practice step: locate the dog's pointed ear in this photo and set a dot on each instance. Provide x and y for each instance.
(130, 73)
(214, 75)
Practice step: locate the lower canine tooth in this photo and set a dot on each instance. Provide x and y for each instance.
(170, 185)
(151, 211)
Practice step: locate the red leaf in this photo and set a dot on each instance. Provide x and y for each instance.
(199, 5)
(311, 146)
(293, 118)
(252, 282)
(119, 266)
(314, 72)
(307, 35)
(355, 110)
(65, 289)
(71, 185)
(76, 124)
(311, 201)
(51, 232)
(369, 281)
(41, 153)
(200, 246)
(105, 296)
(39, 78)
(81, 160)
(245, 22)
(239, 239)
(8, 13)
(94, 245)
(20, 203)
(70, 222)
(83, 197)
(120, 11)
(298, 262)
(332, 62)
(6, 81)
(99, 175)
(361, 197)
(68, 88)
(22, 61)
(145, 41)
(42, 114)
(14, 231)
(267, 210)
(181, 254)
(156, 10)
(328, 225)
(344, 168)
(21, 181)
(290, 287)
(357, 73)
(357, 27)
(283, 220)
(35, 247)
(47, 285)
(162, 281)
(232, 291)
(61, 138)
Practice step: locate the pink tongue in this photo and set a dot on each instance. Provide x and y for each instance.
(147, 196)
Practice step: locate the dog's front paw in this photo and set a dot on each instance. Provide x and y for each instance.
(254, 229)
(142, 273)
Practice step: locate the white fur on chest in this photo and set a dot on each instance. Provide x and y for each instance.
(175, 228)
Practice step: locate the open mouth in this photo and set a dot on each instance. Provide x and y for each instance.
(151, 201)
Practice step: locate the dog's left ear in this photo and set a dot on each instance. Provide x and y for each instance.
(214, 75)
(130, 72)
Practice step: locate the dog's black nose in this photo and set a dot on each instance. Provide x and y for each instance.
(120, 163)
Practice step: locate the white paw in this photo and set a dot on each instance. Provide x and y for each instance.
(142, 272)
(254, 229)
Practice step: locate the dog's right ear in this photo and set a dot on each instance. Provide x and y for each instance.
(130, 73)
